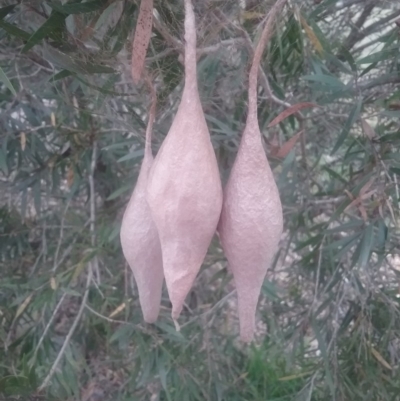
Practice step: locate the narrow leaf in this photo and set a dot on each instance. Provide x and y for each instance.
(71, 64)
(133, 155)
(349, 123)
(4, 11)
(53, 23)
(119, 191)
(289, 111)
(311, 36)
(380, 358)
(325, 79)
(79, 8)
(284, 150)
(7, 82)
(366, 246)
(23, 306)
(324, 353)
(14, 31)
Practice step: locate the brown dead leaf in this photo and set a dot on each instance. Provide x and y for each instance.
(23, 306)
(23, 141)
(285, 149)
(368, 130)
(249, 15)
(70, 176)
(289, 111)
(380, 358)
(274, 144)
(53, 283)
(367, 186)
(311, 36)
(357, 201)
(119, 309)
(142, 38)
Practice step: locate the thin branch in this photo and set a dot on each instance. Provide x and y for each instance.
(107, 318)
(265, 83)
(215, 307)
(91, 267)
(61, 235)
(353, 37)
(171, 40)
(71, 331)
(360, 35)
(48, 325)
(386, 79)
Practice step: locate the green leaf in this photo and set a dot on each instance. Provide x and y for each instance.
(120, 191)
(4, 11)
(125, 26)
(123, 334)
(324, 353)
(37, 196)
(132, 155)
(52, 25)
(366, 246)
(6, 81)
(334, 174)
(13, 30)
(325, 79)
(69, 63)
(382, 55)
(355, 112)
(119, 145)
(322, 7)
(60, 75)
(105, 91)
(3, 162)
(171, 332)
(79, 8)
(349, 58)
(334, 60)
(382, 235)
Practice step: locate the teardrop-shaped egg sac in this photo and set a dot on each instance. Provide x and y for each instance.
(140, 241)
(251, 225)
(184, 191)
(251, 221)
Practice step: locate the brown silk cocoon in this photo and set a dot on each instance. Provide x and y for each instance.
(184, 191)
(251, 221)
(142, 38)
(139, 238)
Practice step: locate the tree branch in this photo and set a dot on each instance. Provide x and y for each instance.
(353, 37)
(91, 265)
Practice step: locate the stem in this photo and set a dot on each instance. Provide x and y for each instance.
(265, 37)
(190, 46)
(152, 114)
(91, 266)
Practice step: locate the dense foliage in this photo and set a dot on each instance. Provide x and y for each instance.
(72, 136)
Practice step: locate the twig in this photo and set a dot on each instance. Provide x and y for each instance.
(48, 325)
(91, 265)
(318, 273)
(216, 306)
(69, 249)
(171, 40)
(265, 83)
(107, 318)
(61, 235)
(71, 331)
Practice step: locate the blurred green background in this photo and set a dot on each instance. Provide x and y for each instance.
(72, 135)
